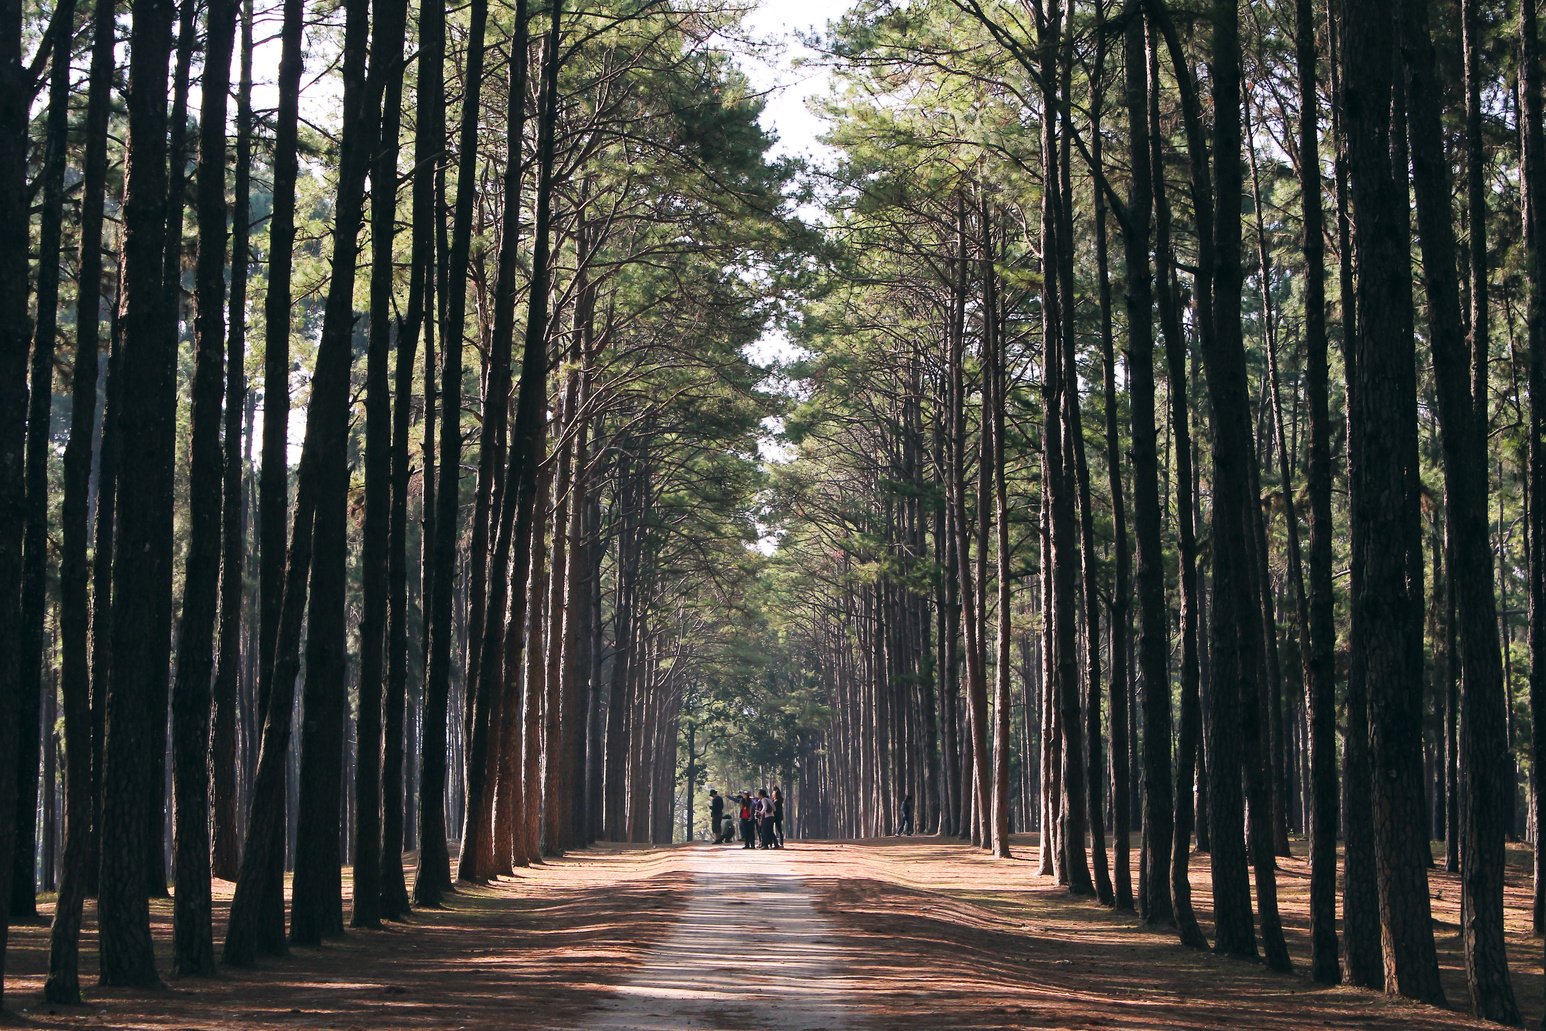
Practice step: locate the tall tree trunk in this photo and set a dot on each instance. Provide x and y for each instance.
(1359, 892)
(480, 851)
(533, 627)
(34, 574)
(226, 846)
(63, 984)
(579, 630)
(1535, 270)
(1095, 772)
(193, 950)
(624, 654)
(14, 338)
(428, 149)
(274, 476)
(1189, 730)
(996, 382)
(433, 878)
(1482, 732)
(1154, 901)
(1276, 436)
(1320, 630)
(1234, 731)
(159, 810)
(554, 744)
(127, 957)
(1381, 418)
(316, 907)
(384, 93)
(1121, 587)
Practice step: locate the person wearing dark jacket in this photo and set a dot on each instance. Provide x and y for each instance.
(717, 816)
(905, 825)
(748, 828)
(778, 818)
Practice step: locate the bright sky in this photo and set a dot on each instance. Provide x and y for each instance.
(787, 115)
(776, 23)
(787, 112)
(790, 88)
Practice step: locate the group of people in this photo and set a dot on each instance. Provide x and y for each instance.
(760, 818)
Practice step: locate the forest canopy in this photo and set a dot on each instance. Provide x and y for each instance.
(433, 439)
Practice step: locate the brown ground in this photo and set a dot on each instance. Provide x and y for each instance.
(945, 929)
(929, 934)
(530, 951)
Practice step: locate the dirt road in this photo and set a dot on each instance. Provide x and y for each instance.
(917, 933)
(748, 949)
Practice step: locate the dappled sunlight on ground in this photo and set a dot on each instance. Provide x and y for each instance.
(894, 933)
(949, 930)
(532, 950)
(749, 949)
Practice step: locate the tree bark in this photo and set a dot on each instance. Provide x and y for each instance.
(996, 381)
(273, 478)
(1381, 422)
(1534, 188)
(433, 878)
(63, 984)
(316, 906)
(1154, 902)
(428, 148)
(1320, 631)
(224, 754)
(127, 957)
(384, 94)
(15, 335)
(193, 950)
(1189, 730)
(480, 848)
(34, 574)
(1482, 731)
(1119, 608)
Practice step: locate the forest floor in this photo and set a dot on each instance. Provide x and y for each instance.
(875, 934)
(533, 950)
(945, 934)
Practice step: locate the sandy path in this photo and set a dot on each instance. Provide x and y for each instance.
(748, 950)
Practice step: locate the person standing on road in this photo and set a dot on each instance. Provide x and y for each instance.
(717, 815)
(905, 825)
(764, 819)
(747, 827)
(778, 818)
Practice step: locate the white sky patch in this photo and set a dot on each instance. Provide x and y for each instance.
(788, 73)
(790, 88)
(790, 76)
